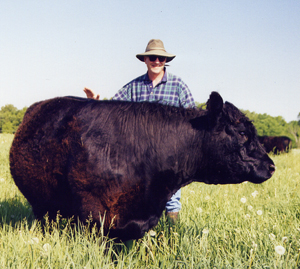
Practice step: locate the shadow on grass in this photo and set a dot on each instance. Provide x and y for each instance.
(13, 211)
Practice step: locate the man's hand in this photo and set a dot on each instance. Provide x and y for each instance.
(90, 94)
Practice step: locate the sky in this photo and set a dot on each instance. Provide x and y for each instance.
(247, 50)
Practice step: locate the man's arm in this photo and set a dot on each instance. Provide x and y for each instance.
(186, 98)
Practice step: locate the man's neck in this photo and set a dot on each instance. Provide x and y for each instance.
(156, 78)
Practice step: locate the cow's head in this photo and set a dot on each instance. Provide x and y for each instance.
(232, 152)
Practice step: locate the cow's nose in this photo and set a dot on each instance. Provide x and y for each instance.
(272, 169)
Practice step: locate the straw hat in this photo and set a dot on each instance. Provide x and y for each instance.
(155, 47)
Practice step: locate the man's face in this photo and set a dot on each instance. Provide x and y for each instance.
(156, 66)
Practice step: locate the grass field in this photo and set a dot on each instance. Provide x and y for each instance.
(230, 226)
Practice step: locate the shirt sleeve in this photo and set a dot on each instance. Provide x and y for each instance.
(185, 97)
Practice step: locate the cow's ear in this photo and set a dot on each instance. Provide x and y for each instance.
(214, 104)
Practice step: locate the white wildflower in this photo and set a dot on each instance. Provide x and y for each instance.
(205, 231)
(46, 250)
(254, 194)
(46, 247)
(272, 236)
(34, 240)
(199, 209)
(2, 179)
(250, 207)
(247, 216)
(280, 250)
(284, 239)
(243, 200)
(259, 212)
(152, 233)
(207, 197)
(254, 244)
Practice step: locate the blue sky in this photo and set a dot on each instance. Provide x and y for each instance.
(247, 50)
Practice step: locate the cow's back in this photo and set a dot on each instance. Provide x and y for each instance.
(275, 144)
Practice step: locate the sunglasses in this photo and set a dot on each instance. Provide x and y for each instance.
(153, 58)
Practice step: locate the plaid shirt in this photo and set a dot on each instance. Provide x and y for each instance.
(170, 91)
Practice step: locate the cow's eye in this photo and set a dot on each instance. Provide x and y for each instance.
(243, 134)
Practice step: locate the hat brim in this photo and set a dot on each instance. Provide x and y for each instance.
(169, 56)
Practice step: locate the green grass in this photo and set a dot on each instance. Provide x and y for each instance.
(216, 229)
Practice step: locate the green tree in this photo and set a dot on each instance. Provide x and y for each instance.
(268, 125)
(10, 118)
(200, 105)
(294, 128)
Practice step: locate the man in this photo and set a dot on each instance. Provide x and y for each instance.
(156, 86)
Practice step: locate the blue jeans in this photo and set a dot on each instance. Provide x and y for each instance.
(174, 205)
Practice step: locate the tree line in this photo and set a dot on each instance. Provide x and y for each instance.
(275, 126)
(11, 117)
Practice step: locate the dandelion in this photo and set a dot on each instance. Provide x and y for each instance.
(250, 207)
(259, 212)
(243, 200)
(272, 236)
(254, 194)
(284, 239)
(280, 250)
(207, 197)
(2, 179)
(199, 209)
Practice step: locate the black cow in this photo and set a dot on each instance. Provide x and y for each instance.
(275, 144)
(122, 161)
